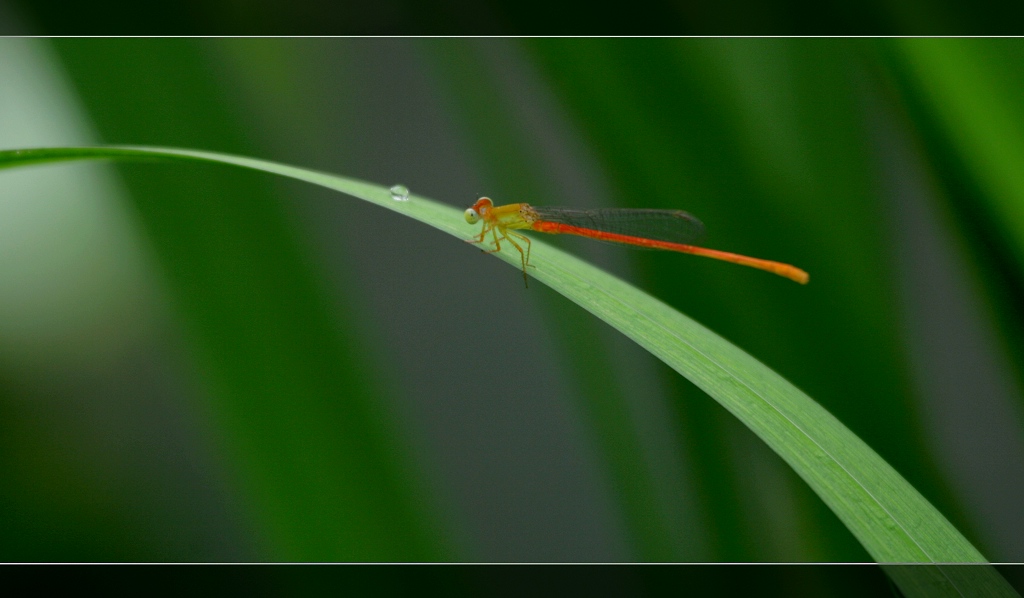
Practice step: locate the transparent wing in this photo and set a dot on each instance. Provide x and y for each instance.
(674, 226)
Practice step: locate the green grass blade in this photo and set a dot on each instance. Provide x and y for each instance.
(765, 141)
(889, 517)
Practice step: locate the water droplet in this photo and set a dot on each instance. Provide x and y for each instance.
(400, 193)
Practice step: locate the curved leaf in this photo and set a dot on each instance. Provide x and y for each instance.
(889, 517)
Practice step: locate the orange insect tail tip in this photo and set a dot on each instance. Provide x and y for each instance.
(791, 272)
(799, 276)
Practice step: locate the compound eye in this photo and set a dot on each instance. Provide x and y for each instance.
(471, 216)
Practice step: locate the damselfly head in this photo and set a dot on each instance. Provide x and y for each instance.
(479, 210)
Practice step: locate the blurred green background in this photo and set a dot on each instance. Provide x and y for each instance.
(199, 364)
